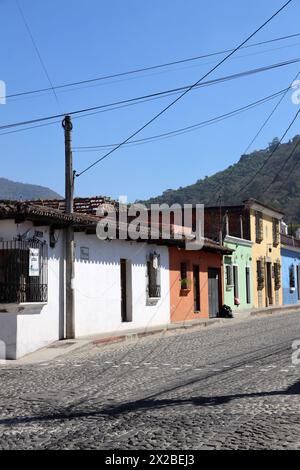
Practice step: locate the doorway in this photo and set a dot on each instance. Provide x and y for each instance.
(126, 293)
(298, 280)
(269, 299)
(248, 286)
(214, 291)
(196, 279)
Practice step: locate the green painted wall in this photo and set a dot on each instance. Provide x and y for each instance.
(242, 258)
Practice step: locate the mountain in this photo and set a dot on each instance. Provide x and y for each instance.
(232, 183)
(15, 191)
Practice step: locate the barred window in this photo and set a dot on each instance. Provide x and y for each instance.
(276, 234)
(292, 277)
(260, 274)
(229, 275)
(184, 276)
(23, 271)
(259, 234)
(153, 272)
(277, 275)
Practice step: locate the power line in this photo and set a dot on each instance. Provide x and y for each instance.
(290, 156)
(269, 157)
(159, 136)
(263, 126)
(270, 115)
(149, 97)
(37, 52)
(183, 130)
(67, 90)
(145, 69)
(186, 91)
(292, 168)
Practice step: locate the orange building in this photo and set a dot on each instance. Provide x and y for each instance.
(196, 279)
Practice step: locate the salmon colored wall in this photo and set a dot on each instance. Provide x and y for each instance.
(182, 306)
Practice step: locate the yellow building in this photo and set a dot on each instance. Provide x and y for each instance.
(266, 257)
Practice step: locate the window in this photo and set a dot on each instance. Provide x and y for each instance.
(183, 275)
(23, 271)
(276, 232)
(260, 274)
(259, 234)
(236, 281)
(277, 275)
(298, 280)
(153, 272)
(229, 275)
(185, 281)
(292, 282)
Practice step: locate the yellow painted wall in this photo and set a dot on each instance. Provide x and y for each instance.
(266, 250)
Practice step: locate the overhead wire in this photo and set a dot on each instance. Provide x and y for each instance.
(116, 104)
(182, 130)
(37, 52)
(156, 116)
(269, 116)
(137, 70)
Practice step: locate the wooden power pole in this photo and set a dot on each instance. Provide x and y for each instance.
(69, 195)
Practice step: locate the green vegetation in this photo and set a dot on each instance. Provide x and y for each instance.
(16, 191)
(229, 185)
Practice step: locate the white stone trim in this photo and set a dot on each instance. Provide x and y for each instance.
(238, 241)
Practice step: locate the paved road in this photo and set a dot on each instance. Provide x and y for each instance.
(229, 387)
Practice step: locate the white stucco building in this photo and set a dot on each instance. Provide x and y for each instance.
(119, 284)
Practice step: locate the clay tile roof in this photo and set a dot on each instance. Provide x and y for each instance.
(82, 205)
(52, 211)
(35, 211)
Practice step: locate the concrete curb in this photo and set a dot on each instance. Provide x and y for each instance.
(201, 323)
(172, 327)
(274, 310)
(60, 348)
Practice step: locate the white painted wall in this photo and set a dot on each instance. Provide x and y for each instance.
(97, 292)
(34, 325)
(98, 286)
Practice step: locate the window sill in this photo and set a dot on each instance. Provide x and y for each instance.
(21, 307)
(152, 301)
(184, 292)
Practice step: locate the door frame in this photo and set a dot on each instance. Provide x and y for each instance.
(269, 283)
(197, 290)
(250, 287)
(218, 270)
(126, 290)
(298, 281)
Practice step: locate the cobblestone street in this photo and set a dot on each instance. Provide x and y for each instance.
(223, 387)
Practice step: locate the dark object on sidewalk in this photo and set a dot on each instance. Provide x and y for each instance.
(225, 312)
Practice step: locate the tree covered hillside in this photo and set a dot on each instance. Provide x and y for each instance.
(230, 186)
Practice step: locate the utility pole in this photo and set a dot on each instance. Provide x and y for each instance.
(69, 195)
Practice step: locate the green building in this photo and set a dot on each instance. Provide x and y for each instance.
(238, 293)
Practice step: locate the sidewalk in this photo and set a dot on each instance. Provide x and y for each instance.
(63, 347)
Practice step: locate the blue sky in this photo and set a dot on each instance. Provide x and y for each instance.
(81, 40)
